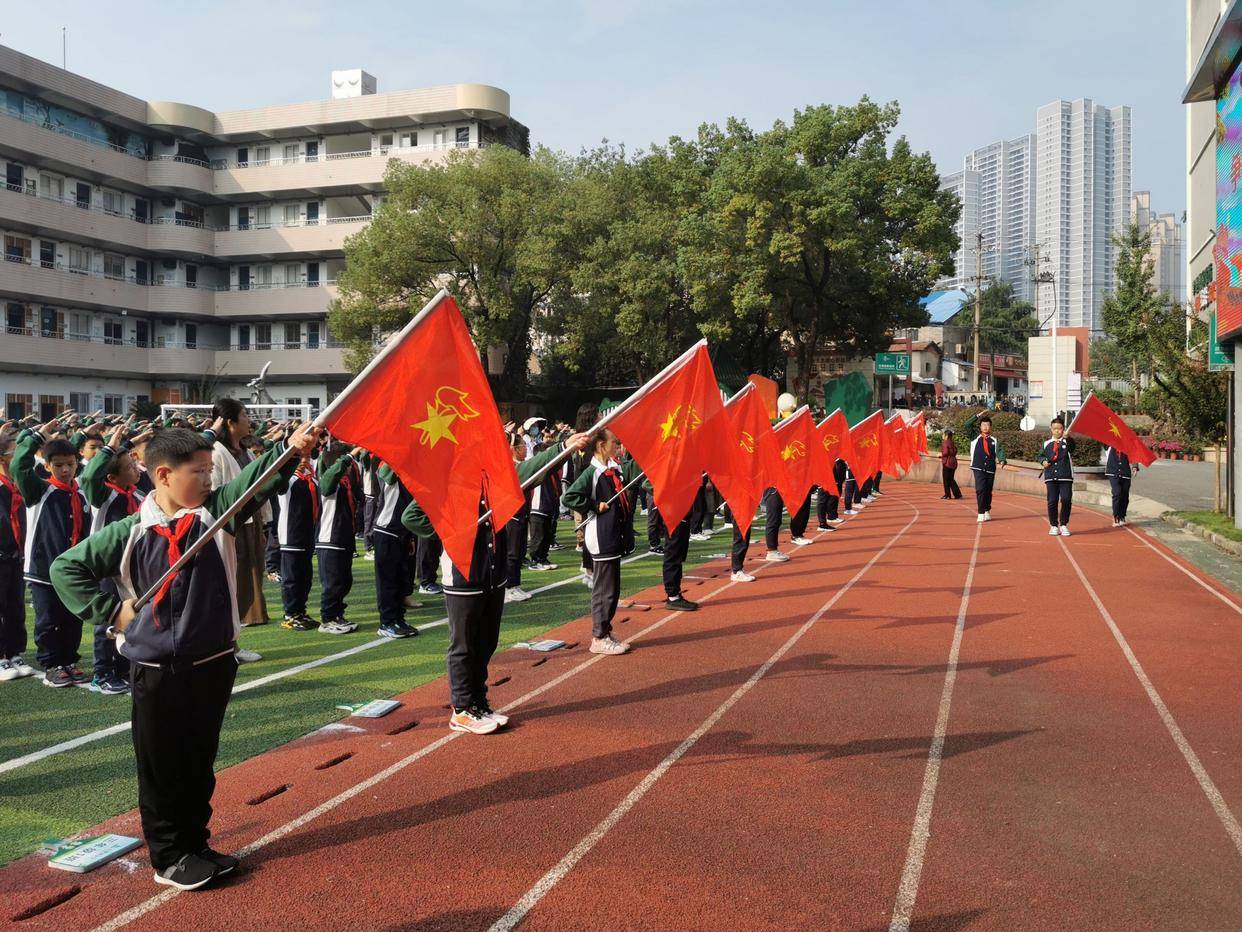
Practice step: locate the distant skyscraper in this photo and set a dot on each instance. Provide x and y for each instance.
(1082, 202)
(996, 185)
(1166, 245)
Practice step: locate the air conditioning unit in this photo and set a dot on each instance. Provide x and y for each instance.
(169, 263)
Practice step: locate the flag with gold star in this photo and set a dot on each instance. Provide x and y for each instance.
(795, 440)
(864, 453)
(756, 457)
(834, 437)
(1099, 422)
(425, 408)
(676, 431)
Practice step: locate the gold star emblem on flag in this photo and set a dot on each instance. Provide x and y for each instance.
(448, 405)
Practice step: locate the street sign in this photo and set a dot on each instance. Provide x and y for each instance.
(1220, 355)
(892, 364)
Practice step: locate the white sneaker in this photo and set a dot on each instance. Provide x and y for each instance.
(1052, 531)
(470, 720)
(8, 671)
(1064, 531)
(248, 656)
(588, 580)
(800, 541)
(987, 516)
(609, 645)
(727, 524)
(1122, 523)
(851, 512)
(23, 669)
(498, 717)
(369, 555)
(980, 519)
(775, 556)
(868, 499)
(741, 576)
(517, 594)
(700, 537)
(837, 520)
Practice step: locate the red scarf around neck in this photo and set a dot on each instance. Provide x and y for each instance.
(308, 477)
(174, 535)
(131, 499)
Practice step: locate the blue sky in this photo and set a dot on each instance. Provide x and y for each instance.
(638, 71)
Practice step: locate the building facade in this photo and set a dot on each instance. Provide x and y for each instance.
(159, 252)
(1082, 200)
(1168, 269)
(965, 184)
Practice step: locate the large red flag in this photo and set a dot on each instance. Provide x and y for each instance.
(424, 407)
(832, 432)
(677, 431)
(757, 458)
(1098, 421)
(796, 439)
(865, 447)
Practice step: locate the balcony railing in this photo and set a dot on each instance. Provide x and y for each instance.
(285, 224)
(64, 131)
(72, 337)
(160, 281)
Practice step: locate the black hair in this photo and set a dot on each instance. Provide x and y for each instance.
(54, 448)
(588, 414)
(228, 408)
(1059, 420)
(597, 438)
(114, 467)
(333, 452)
(175, 446)
(985, 418)
(87, 438)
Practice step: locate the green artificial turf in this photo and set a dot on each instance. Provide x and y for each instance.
(76, 789)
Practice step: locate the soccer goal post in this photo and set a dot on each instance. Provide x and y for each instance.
(301, 411)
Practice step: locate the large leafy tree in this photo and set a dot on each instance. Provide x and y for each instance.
(1005, 321)
(487, 225)
(830, 234)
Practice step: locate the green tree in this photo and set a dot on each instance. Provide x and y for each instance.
(1005, 321)
(486, 225)
(829, 231)
(1134, 315)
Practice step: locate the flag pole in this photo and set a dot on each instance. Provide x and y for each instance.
(603, 422)
(392, 344)
(1078, 413)
(641, 475)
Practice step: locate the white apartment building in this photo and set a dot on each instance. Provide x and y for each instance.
(1083, 158)
(997, 181)
(1166, 246)
(160, 252)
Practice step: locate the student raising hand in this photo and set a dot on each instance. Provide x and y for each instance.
(304, 437)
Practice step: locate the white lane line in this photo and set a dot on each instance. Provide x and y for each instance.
(907, 891)
(1227, 818)
(122, 727)
(548, 881)
(137, 912)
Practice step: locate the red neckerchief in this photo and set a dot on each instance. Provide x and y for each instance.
(131, 500)
(309, 478)
(76, 505)
(987, 444)
(615, 475)
(174, 536)
(16, 504)
(1056, 450)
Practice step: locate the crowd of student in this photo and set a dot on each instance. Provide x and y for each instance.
(99, 510)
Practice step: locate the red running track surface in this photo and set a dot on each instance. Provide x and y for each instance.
(764, 762)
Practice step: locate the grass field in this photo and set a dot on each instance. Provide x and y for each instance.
(1213, 521)
(70, 791)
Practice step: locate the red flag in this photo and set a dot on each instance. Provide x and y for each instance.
(676, 431)
(757, 458)
(832, 432)
(865, 447)
(424, 407)
(796, 439)
(1097, 421)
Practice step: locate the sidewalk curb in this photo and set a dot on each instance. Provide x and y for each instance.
(1231, 547)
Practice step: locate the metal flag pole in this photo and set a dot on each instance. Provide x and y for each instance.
(623, 490)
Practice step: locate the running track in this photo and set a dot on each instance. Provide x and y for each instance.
(918, 722)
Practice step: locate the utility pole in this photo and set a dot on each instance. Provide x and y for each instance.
(974, 376)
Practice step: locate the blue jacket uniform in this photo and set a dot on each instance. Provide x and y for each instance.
(1117, 465)
(986, 453)
(50, 526)
(1058, 460)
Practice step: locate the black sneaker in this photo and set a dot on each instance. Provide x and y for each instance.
(225, 863)
(190, 873)
(657, 550)
(824, 527)
(77, 675)
(57, 677)
(298, 623)
(431, 589)
(397, 630)
(681, 604)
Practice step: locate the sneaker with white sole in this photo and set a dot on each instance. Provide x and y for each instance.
(369, 556)
(248, 656)
(1052, 531)
(800, 541)
(588, 580)
(741, 576)
(1065, 532)
(488, 712)
(472, 721)
(700, 537)
(775, 556)
(541, 567)
(987, 516)
(851, 512)
(337, 626)
(23, 669)
(8, 671)
(190, 873)
(835, 521)
(517, 594)
(609, 645)
(57, 677)
(980, 519)
(431, 589)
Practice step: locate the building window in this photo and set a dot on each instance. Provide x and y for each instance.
(113, 202)
(47, 254)
(79, 259)
(263, 217)
(15, 320)
(440, 138)
(293, 336)
(81, 401)
(262, 155)
(385, 142)
(463, 137)
(243, 337)
(291, 214)
(18, 406)
(293, 273)
(262, 336)
(114, 332)
(114, 404)
(114, 266)
(263, 276)
(191, 336)
(313, 401)
(409, 140)
(17, 249)
(50, 406)
(52, 322)
(291, 152)
(312, 335)
(51, 186)
(79, 329)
